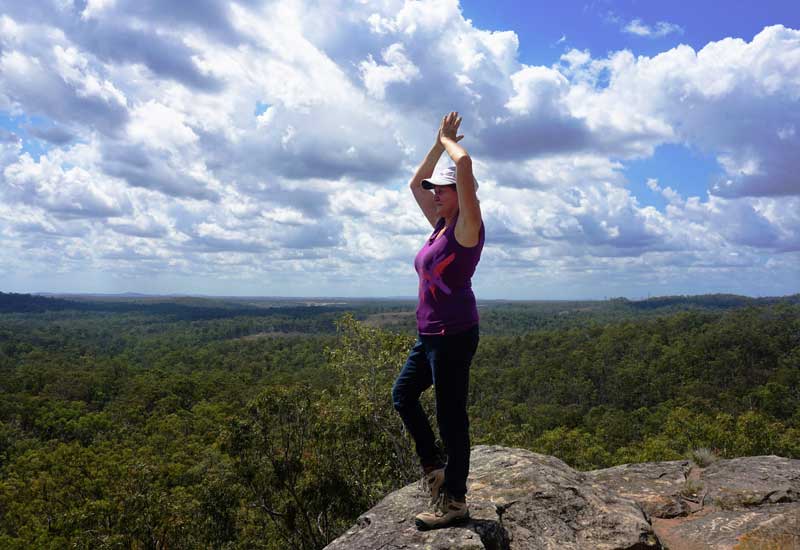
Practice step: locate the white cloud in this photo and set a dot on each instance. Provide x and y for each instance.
(160, 127)
(68, 192)
(537, 89)
(662, 28)
(10, 149)
(162, 165)
(266, 118)
(669, 193)
(42, 74)
(398, 68)
(73, 68)
(95, 7)
(688, 97)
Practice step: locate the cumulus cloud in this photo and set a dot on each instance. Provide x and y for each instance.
(73, 192)
(57, 80)
(136, 32)
(142, 225)
(157, 170)
(252, 140)
(734, 99)
(398, 68)
(538, 122)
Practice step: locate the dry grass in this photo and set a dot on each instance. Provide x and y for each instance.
(703, 457)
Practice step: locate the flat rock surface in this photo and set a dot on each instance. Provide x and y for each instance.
(773, 527)
(656, 486)
(749, 503)
(554, 507)
(751, 481)
(740, 503)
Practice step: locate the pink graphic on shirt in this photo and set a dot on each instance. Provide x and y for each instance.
(433, 279)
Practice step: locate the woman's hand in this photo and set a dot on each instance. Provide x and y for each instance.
(449, 128)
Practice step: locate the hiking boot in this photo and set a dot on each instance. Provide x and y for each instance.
(431, 483)
(448, 512)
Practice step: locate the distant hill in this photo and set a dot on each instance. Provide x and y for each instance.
(497, 316)
(180, 307)
(722, 301)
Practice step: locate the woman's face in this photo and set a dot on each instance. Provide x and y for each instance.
(446, 199)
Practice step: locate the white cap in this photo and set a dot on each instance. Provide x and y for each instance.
(445, 177)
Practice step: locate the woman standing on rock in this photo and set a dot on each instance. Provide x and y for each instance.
(447, 323)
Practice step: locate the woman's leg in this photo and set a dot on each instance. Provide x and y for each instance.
(415, 378)
(450, 358)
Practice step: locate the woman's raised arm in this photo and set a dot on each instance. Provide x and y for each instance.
(469, 218)
(423, 196)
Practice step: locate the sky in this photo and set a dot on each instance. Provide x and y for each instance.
(623, 148)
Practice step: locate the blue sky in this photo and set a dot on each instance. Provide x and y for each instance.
(623, 148)
(547, 29)
(19, 125)
(598, 25)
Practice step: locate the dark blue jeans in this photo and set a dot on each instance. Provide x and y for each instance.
(441, 361)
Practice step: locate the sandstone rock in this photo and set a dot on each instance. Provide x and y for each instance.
(770, 527)
(750, 503)
(656, 486)
(554, 508)
(742, 503)
(751, 481)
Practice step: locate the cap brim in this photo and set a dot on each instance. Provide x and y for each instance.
(428, 185)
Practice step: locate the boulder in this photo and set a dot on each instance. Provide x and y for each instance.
(656, 486)
(769, 527)
(519, 499)
(740, 503)
(549, 505)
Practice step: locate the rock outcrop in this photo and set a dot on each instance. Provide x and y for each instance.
(742, 503)
(523, 500)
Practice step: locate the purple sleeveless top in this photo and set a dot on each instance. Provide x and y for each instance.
(445, 268)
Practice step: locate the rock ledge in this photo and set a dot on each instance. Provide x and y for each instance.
(744, 504)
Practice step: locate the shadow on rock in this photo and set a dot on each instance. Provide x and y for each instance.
(492, 533)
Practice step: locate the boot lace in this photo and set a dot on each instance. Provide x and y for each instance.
(425, 487)
(423, 483)
(441, 504)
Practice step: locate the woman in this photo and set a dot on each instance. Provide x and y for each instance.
(447, 323)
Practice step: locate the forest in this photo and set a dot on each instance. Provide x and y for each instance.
(154, 423)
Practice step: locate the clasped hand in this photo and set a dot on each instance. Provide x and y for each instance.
(448, 129)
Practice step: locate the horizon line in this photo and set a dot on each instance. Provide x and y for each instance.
(405, 298)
